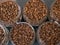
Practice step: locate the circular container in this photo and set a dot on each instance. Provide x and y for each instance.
(9, 20)
(22, 32)
(5, 39)
(55, 11)
(49, 34)
(35, 16)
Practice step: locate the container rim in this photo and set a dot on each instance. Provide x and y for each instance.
(18, 15)
(32, 30)
(38, 23)
(5, 40)
(39, 28)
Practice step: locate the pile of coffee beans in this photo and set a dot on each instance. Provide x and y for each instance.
(55, 11)
(9, 12)
(34, 11)
(49, 33)
(22, 34)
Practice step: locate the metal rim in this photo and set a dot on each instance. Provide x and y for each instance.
(27, 19)
(16, 18)
(5, 41)
(38, 39)
(32, 29)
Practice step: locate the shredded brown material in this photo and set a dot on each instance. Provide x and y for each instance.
(8, 11)
(1, 35)
(55, 11)
(22, 34)
(34, 11)
(49, 33)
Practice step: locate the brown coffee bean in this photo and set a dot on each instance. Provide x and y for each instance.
(9, 11)
(34, 11)
(49, 33)
(55, 11)
(22, 34)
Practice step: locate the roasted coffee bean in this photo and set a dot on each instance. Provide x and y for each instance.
(49, 33)
(34, 11)
(8, 11)
(22, 34)
(55, 11)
